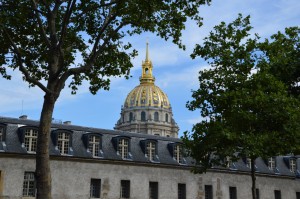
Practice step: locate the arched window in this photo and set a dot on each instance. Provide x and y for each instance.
(130, 116)
(143, 116)
(156, 116)
(167, 117)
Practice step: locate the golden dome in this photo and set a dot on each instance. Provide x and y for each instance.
(147, 93)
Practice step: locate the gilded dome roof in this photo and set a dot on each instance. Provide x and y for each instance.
(147, 93)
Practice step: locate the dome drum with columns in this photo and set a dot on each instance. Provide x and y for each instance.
(147, 108)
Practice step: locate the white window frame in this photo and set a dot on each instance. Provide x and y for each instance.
(1, 133)
(63, 143)
(151, 150)
(272, 163)
(94, 145)
(30, 140)
(123, 148)
(178, 153)
(248, 162)
(29, 185)
(293, 165)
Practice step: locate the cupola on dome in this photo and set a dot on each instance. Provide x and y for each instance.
(147, 108)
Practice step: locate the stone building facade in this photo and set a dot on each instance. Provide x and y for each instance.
(141, 159)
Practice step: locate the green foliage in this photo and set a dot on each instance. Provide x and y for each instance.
(245, 97)
(46, 39)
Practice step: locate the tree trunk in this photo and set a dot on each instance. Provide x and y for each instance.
(253, 178)
(43, 174)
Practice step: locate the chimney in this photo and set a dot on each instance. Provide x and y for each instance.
(23, 117)
(67, 122)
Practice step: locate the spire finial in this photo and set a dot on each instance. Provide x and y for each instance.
(147, 51)
(147, 77)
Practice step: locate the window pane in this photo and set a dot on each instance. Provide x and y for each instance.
(123, 148)
(94, 145)
(63, 143)
(1, 134)
(125, 189)
(156, 116)
(181, 191)
(232, 193)
(297, 195)
(30, 140)
(208, 192)
(277, 194)
(257, 193)
(150, 150)
(29, 184)
(95, 188)
(153, 190)
(178, 153)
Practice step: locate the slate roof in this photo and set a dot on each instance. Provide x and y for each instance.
(13, 146)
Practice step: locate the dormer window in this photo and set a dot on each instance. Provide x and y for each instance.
(248, 163)
(2, 137)
(149, 147)
(228, 162)
(293, 165)
(271, 163)
(122, 146)
(28, 138)
(62, 140)
(176, 151)
(93, 143)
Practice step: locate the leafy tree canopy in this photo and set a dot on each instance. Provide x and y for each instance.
(50, 41)
(245, 96)
(45, 38)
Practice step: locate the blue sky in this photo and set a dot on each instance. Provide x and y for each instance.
(175, 72)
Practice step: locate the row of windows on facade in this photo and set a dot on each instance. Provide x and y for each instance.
(144, 118)
(62, 140)
(29, 189)
(291, 162)
(92, 141)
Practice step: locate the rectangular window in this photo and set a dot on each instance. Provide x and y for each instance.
(125, 189)
(257, 193)
(153, 190)
(95, 190)
(1, 183)
(271, 163)
(297, 195)
(63, 143)
(1, 134)
(232, 193)
(277, 194)
(94, 145)
(123, 148)
(248, 163)
(181, 191)
(150, 150)
(178, 153)
(208, 192)
(293, 165)
(29, 184)
(30, 140)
